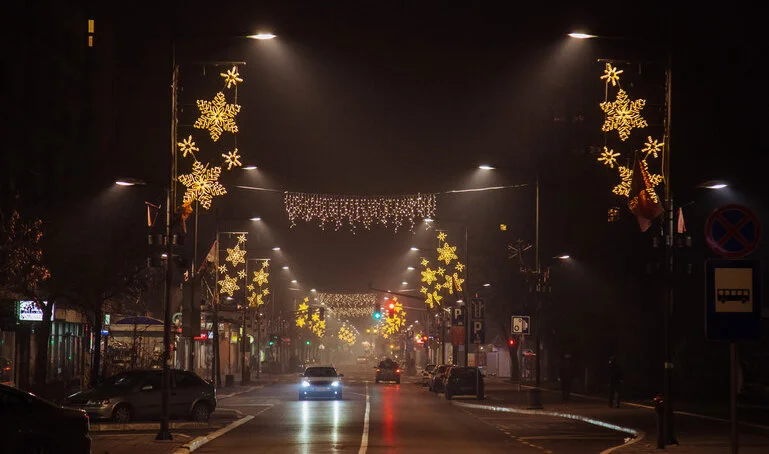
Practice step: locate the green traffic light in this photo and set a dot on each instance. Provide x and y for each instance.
(307, 342)
(377, 315)
(272, 343)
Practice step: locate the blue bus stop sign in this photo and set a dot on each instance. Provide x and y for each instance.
(733, 300)
(733, 231)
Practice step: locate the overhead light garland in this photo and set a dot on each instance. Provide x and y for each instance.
(636, 183)
(338, 210)
(217, 116)
(348, 304)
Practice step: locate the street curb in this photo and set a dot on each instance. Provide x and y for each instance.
(138, 426)
(649, 407)
(200, 441)
(636, 434)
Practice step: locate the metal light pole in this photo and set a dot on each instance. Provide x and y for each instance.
(535, 394)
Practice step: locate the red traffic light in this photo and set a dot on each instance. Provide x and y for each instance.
(391, 306)
(511, 342)
(424, 338)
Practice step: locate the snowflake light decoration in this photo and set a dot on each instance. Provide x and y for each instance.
(222, 269)
(652, 147)
(232, 159)
(458, 281)
(428, 276)
(236, 255)
(623, 115)
(611, 75)
(187, 146)
(242, 238)
(229, 285)
(626, 181)
(447, 253)
(217, 116)
(613, 214)
(261, 277)
(202, 184)
(608, 157)
(242, 274)
(231, 77)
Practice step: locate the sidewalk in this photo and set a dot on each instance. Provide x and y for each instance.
(695, 433)
(133, 443)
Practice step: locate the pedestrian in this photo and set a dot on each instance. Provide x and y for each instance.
(566, 375)
(615, 383)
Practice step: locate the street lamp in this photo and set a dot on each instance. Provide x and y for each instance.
(668, 227)
(262, 36)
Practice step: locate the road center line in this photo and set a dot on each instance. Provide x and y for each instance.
(364, 437)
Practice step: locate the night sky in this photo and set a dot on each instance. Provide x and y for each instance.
(386, 97)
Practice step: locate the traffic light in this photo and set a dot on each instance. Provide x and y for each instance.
(511, 342)
(377, 315)
(322, 313)
(377, 312)
(307, 342)
(391, 310)
(424, 338)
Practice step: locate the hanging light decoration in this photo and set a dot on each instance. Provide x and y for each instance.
(338, 210)
(348, 304)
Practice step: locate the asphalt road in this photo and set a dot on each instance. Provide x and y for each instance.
(406, 418)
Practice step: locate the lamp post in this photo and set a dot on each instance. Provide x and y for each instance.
(667, 436)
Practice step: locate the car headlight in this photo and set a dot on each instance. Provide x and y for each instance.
(335, 383)
(305, 384)
(97, 402)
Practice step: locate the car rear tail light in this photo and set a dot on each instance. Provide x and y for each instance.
(397, 371)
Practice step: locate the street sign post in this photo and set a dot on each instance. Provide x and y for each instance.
(733, 231)
(733, 300)
(520, 324)
(478, 332)
(477, 308)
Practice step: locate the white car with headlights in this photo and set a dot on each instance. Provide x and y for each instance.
(320, 381)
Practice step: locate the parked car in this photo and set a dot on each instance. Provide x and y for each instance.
(388, 370)
(435, 381)
(29, 424)
(426, 373)
(136, 394)
(320, 381)
(463, 381)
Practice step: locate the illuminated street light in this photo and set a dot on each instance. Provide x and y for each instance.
(563, 257)
(410, 268)
(486, 167)
(414, 248)
(579, 35)
(256, 219)
(276, 248)
(285, 267)
(130, 182)
(261, 36)
(713, 184)
(404, 283)
(428, 220)
(250, 167)
(293, 281)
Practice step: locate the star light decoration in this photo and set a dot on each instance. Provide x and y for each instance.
(356, 211)
(302, 313)
(236, 256)
(217, 116)
(202, 184)
(261, 289)
(187, 146)
(392, 325)
(346, 335)
(436, 282)
(624, 115)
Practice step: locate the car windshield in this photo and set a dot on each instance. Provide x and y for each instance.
(320, 372)
(124, 380)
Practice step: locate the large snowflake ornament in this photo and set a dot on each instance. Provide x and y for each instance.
(228, 285)
(447, 253)
(236, 255)
(202, 184)
(217, 116)
(623, 115)
(261, 277)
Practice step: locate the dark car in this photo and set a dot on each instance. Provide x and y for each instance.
(463, 381)
(435, 380)
(136, 394)
(29, 424)
(320, 381)
(388, 370)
